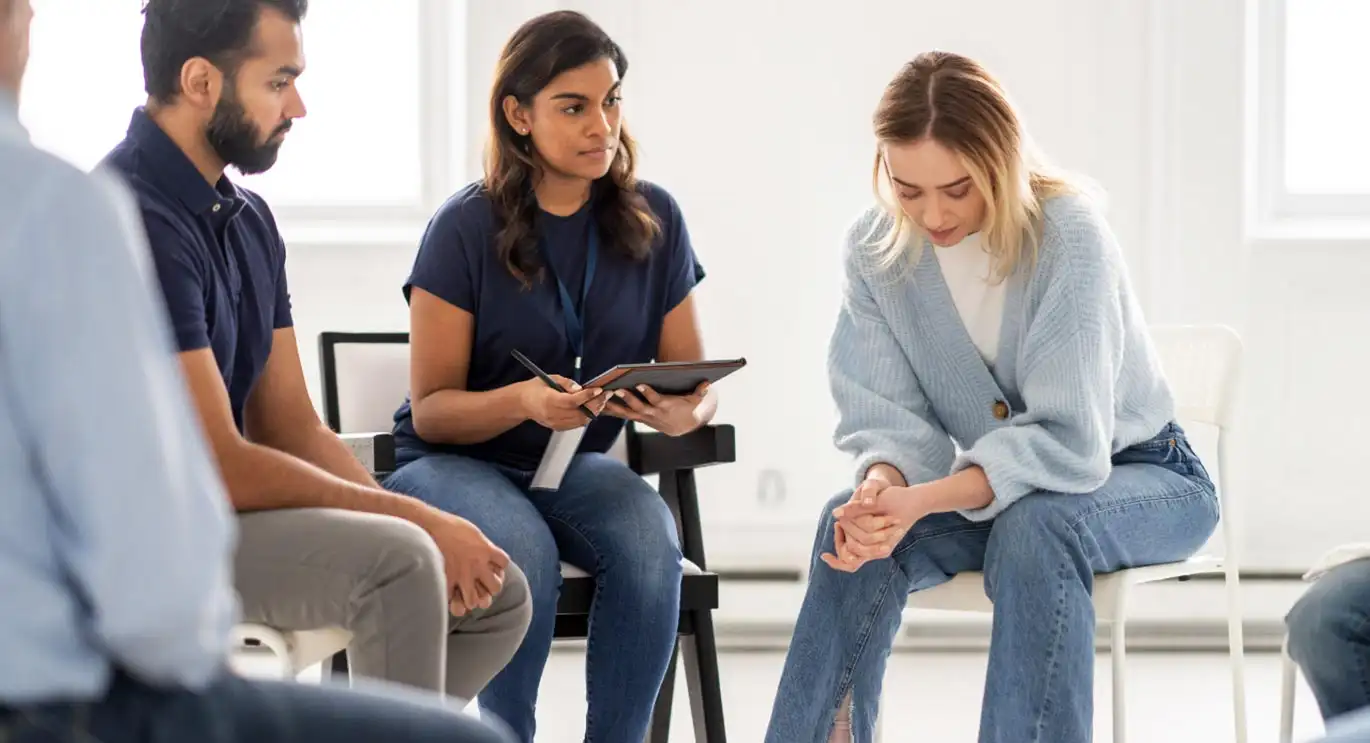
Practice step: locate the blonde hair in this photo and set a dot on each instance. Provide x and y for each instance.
(957, 103)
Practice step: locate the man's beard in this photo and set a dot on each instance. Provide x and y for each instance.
(238, 141)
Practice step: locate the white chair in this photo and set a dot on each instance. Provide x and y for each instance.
(294, 651)
(1202, 364)
(1289, 673)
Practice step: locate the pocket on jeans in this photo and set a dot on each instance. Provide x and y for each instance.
(1167, 449)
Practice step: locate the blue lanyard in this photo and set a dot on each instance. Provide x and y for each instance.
(573, 319)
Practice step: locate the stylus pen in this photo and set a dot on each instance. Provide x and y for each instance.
(527, 362)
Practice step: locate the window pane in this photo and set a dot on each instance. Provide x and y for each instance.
(359, 145)
(85, 76)
(1326, 147)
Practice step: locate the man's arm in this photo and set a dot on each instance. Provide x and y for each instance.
(260, 477)
(280, 415)
(138, 511)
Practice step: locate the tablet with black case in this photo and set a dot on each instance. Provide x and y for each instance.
(668, 378)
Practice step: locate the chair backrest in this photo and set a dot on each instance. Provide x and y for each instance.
(365, 379)
(1203, 364)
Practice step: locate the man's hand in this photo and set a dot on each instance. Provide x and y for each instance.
(559, 411)
(473, 564)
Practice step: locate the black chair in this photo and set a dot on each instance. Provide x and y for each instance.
(366, 375)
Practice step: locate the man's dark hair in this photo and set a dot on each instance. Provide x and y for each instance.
(175, 31)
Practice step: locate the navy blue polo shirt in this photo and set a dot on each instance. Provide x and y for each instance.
(219, 257)
(623, 313)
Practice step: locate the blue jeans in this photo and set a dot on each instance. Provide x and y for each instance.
(609, 522)
(1039, 558)
(1329, 638)
(236, 710)
(1351, 728)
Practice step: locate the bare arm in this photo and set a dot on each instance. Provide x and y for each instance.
(680, 336)
(280, 416)
(676, 416)
(260, 477)
(444, 411)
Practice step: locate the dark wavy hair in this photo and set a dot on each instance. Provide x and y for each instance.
(540, 50)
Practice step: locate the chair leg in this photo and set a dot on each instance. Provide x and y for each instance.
(1118, 653)
(1288, 674)
(1236, 645)
(660, 731)
(337, 667)
(701, 675)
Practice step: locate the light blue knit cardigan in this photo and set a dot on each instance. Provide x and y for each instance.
(1075, 365)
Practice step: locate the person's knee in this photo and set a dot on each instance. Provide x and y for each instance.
(637, 550)
(403, 550)
(515, 599)
(1033, 536)
(534, 569)
(825, 532)
(1331, 615)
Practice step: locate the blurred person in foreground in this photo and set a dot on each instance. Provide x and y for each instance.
(116, 543)
(1329, 639)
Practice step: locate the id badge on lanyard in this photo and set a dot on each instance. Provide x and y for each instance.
(573, 318)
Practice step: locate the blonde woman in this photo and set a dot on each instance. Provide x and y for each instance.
(997, 387)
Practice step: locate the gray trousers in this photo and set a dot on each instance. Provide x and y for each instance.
(381, 578)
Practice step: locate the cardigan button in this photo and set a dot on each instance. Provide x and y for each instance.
(1000, 409)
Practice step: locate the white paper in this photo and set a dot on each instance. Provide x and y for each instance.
(1338, 557)
(557, 458)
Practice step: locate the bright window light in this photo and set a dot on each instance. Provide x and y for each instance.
(360, 145)
(1326, 144)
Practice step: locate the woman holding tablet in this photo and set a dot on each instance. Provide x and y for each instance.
(986, 307)
(561, 255)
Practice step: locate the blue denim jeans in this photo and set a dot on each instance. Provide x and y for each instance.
(609, 522)
(236, 710)
(1348, 728)
(1039, 558)
(1329, 638)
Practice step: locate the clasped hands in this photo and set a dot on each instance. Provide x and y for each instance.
(870, 525)
(673, 415)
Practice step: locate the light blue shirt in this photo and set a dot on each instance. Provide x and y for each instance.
(1076, 378)
(115, 532)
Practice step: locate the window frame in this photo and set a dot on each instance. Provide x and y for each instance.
(1272, 209)
(441, 48)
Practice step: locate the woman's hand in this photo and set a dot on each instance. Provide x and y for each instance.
(673, 415)
(872, 523)
(559, 411)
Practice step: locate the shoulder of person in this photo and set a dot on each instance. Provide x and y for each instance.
(49, 191)
(863, 240)
(258, 206)
(470, 208)
(662, 203)
(1075, 231)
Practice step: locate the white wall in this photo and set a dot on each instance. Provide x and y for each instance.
(757, 118)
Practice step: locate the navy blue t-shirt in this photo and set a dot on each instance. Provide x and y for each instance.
(627, 302)
(219, 257)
